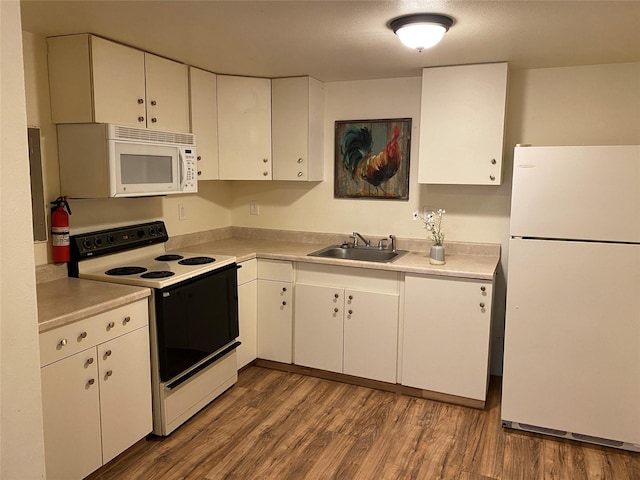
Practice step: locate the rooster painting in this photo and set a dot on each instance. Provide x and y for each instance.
(370, 157)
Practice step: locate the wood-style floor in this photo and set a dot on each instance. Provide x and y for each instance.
(278, 425)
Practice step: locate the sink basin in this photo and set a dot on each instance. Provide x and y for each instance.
(362, 254)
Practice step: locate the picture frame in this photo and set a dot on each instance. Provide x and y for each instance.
(372, 159)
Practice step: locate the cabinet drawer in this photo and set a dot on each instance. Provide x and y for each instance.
(275, 270)
(248, 272)
(75, 337)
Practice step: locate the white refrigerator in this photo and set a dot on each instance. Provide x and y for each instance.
(572, 334)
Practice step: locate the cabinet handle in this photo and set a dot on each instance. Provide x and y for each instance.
(284, 289)
(110, 325)
(108, 373)
(299, 160)
(492, 177)
(336, 296)
(89, 361)
(483, 289)
(335, 310)
(107, 353)
(199, 172)
(90, 382)
(350, 297)
(350, 312)
(141, 119)
(126, 320)
(140, 101)
(82, 335)
(481, 304)
(299, 174)
(154, 120)
(265, 173)
(62, 343)
(265, 160)
(153, 103)
(199, 157)
(493, 161)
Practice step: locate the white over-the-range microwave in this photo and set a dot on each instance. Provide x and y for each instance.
(99, 160)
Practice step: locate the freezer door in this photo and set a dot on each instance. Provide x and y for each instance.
(572, 338)
(586, 193)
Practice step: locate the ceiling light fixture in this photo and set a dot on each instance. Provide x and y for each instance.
(421, 30)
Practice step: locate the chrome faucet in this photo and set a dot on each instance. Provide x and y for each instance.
(393, 242)
(356, 235)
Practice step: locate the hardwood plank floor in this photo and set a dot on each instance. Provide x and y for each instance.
(286, 426)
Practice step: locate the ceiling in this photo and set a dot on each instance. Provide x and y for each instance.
(350, 40)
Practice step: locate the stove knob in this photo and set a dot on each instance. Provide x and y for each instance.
(98, 242)
(87, 243)
(152, 231)
(110, 239)
(160, 231)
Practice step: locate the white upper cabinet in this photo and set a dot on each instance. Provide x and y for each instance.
(95, 80)
(204, 121)
(244, 128)
(462, 124)
(297, 128)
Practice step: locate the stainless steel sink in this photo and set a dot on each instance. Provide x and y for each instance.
(362, 254)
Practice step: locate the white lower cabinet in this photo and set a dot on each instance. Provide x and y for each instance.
(445, 342)
(346, 320)
(275, 311)
(96, 402)
(247, 312)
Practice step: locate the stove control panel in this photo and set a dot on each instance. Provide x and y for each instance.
(117, 239)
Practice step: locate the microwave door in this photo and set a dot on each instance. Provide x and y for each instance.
(146, 169)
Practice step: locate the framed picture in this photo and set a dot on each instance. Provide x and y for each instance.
(372, 159)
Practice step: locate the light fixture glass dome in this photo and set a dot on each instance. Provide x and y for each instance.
(421, 31)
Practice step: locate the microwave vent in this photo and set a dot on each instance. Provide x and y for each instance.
(152, 136)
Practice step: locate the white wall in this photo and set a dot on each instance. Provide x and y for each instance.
(21, 438)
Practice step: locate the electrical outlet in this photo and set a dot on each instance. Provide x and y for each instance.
(427, 210)
(254, 208)
(182, 213)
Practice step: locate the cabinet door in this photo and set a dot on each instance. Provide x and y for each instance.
(319, 327)
(297, 115)
(204, 121)
(125, 391)
(244, 128)
(462, 124)
(275, 321)
(118, 83)
(371, 335)
(71, 414)
(446, 335)
(167, 89)
(248, 319)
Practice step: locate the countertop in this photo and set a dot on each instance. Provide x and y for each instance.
(67, 300)
(462, 265)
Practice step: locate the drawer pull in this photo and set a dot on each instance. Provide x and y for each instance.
(90, 382)
(481, 304)
(108, 373)
(335, 310)
(284, 289)
(350, 297)
(110, 325)
(89, 361)
(126, 320)
(107, 354)
(336, 296)
(62, 343)
(483, 289)
(350, 312)
(82, 335)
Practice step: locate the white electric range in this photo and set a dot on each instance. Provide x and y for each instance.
(193, 312)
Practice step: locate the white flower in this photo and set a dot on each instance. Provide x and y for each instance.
(433, 224)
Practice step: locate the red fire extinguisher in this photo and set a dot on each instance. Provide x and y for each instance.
(60, 229)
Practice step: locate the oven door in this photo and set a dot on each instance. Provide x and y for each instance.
(195, 319)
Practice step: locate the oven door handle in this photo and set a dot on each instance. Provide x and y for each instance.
(178, 381)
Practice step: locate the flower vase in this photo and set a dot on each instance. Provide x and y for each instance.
(436, 255)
